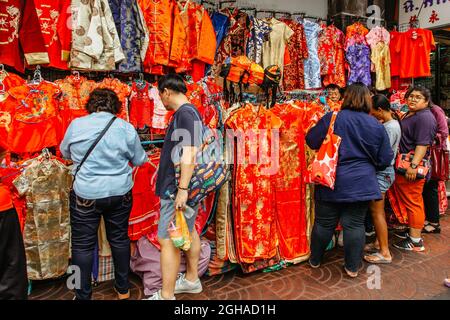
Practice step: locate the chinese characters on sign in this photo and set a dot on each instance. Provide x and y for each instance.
(425, 13)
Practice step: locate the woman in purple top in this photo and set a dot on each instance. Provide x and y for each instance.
(430, 190)
(418, 132)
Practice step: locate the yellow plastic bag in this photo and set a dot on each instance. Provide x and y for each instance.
(179, 232)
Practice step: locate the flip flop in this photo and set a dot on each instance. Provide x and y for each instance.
(380, 258)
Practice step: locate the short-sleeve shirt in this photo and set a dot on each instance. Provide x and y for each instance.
(417, 130)
(274, 49)
(188, 133)
(415, 47)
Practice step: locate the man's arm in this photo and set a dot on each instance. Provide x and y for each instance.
(187, 169)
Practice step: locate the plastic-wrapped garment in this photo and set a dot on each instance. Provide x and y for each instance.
(146, 263)
(46, 183)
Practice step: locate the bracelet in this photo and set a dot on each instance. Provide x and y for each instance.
(184, 189)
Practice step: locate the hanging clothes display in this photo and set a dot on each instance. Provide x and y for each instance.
(46, 182)
(75, 91)
(294, 77)
(36, 123)
(312, 63)
(134, 38)
(332, 56)
(200, 45)
(159, 120)
(123, 92)
(259, 33)
(141, 106)
(379, 38)
(395, 56)
(220, 23)
(146, 204)
(7, 103)
(274, 48)
(167, 34)
(95, 41)
(234, 43)
(254, 215)
(415, 47)
(53, 16)
(358, 54)
(290, 189)
(20, 35)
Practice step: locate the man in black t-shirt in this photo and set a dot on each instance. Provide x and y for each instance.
(183, 137)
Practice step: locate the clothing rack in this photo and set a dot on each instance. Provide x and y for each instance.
(272, 12)
(221, 3)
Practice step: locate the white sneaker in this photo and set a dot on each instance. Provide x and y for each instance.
(184, 286)
(157, 296)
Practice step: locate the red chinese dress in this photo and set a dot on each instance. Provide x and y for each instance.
(145, 203)
(141, 106)
(254, 212)
(290, 188)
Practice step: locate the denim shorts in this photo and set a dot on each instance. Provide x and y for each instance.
(167, 214)
(386, 179)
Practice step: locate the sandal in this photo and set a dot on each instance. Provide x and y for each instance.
(371, 247)
(377, 258)
(431, 228)
(351, 274)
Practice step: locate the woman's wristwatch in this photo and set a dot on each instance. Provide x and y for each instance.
(184, 189)
(414, 166)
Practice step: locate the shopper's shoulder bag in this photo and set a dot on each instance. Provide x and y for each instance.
(439, 160)
(325, 164)
(91, 148)
(210, 171)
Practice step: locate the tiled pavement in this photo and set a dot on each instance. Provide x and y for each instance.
(410, 276)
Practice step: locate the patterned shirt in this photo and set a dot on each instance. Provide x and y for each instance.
(358, 57)
(312, 64)
(259, 33)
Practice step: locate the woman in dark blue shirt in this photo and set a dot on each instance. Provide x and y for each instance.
(364, 149)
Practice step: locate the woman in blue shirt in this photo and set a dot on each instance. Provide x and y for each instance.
(364, 149)
(102, 187)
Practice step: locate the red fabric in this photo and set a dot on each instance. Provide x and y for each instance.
(8, 175)
(395, 56)
(54, 18)
(141, 106)
(198, 70)
(75, 95)
(332, 56)
(200, 42)
(415, 47)
(290, 189)
(167, 35)
(254, 213)
(21, 35)
(36, 123)
(297, 52)
(443, 201)
(122, 90)
(145, 203)
(8, 106)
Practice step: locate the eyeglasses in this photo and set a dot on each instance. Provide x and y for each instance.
(416, 98)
